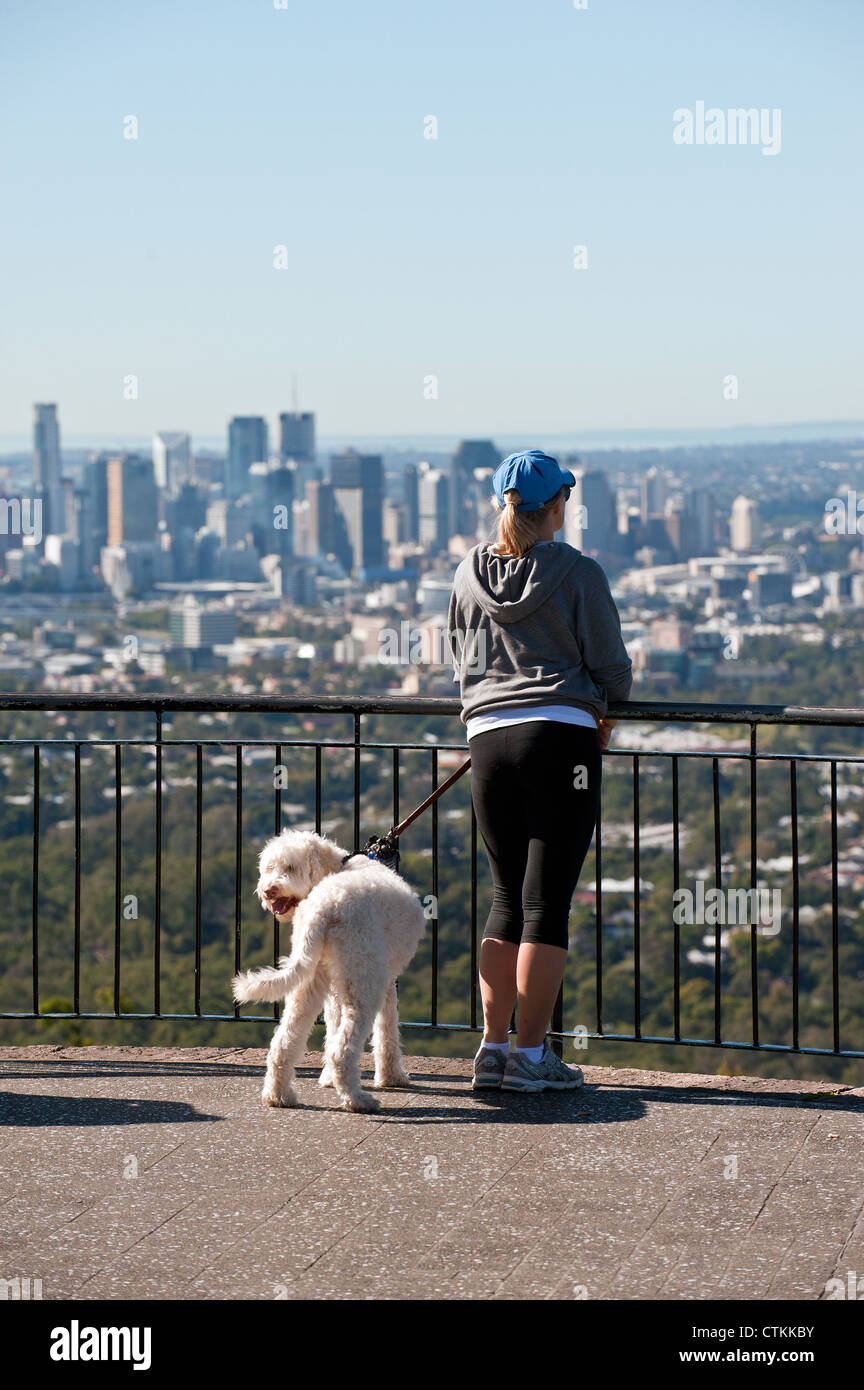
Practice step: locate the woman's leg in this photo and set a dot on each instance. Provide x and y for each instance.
(493, 782)
(539, 972)
(497, 987)
(560, 767)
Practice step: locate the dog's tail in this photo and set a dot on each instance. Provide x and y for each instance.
(272, 983)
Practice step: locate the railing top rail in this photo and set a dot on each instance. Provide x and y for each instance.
(631, 710)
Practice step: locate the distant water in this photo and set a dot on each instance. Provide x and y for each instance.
(796, 432)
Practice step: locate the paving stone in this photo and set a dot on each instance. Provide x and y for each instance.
(156, 1173)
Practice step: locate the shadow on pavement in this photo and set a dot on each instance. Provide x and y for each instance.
(34, 1111)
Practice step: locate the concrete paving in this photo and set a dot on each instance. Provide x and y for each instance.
(157, 1174)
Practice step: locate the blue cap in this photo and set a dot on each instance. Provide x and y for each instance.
(536, 477)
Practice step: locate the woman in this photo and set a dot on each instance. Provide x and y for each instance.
(537, 643)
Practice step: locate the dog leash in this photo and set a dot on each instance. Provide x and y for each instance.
(385, 848)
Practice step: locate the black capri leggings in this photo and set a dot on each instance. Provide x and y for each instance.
(536, 793)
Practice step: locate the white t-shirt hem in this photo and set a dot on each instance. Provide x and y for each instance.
(527, 714)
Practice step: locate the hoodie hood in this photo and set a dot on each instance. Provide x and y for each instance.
(509, 589)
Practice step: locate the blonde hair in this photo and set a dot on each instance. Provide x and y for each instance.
(518, 531)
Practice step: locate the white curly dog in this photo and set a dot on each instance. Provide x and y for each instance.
(357, 925)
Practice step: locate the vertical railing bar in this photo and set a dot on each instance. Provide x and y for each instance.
(277, 830)
(715, 775)
(793, 798)
(637, 907)
(754, 939)
(835, 916)
(157, 909)
(598, 912)
(238, 863)
(35, 928)
(118, 869)
(434, 1019)
(356, 783)
(76, 982)
(676, 883)
(318, 771)
(199, 818)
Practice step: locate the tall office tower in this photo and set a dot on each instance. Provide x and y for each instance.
(394, 523)
(653, 498)
(590, 518)
(322, 518)
(172, 460)
(133, 500)
(471, 456)
(744, 526)
(412, 506)
(297, 436)
(247, 444)
(433, 489)
(82, 531)
(358, 489)
(47, 479)
(96, 486)
(279, 494)
(699, 521)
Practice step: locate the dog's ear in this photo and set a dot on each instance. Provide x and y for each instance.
(324, 857)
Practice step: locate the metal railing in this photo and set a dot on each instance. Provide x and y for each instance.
(355, 749)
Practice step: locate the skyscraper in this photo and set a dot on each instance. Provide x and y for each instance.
(297, 436)
(412, 509)
(172, 460)
(653, 499)
(466, 492)
(247, 444)
(133, 501)
(590, 520)
(699, 521)
(744, 527)
(358, 490)
(433, 488)
(47, 479)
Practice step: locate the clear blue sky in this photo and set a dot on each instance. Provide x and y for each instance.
(409, 256)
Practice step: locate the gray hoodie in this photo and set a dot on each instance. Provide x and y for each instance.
(540, 630)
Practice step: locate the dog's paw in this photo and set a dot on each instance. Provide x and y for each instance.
(393, 1081)
(362, 1103)
(325, 1079)
(281, 1100)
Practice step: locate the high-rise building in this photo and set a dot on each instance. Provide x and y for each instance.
(358, 490)
(744, 525)
(297, 436)
(279, 511)
(411, 498)
(172, 460)
(247, 444)
(47, 469)
(653, 495)
(698, 523)
(133, 500)
(433, 488)
(590, 518)
(472, 457)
